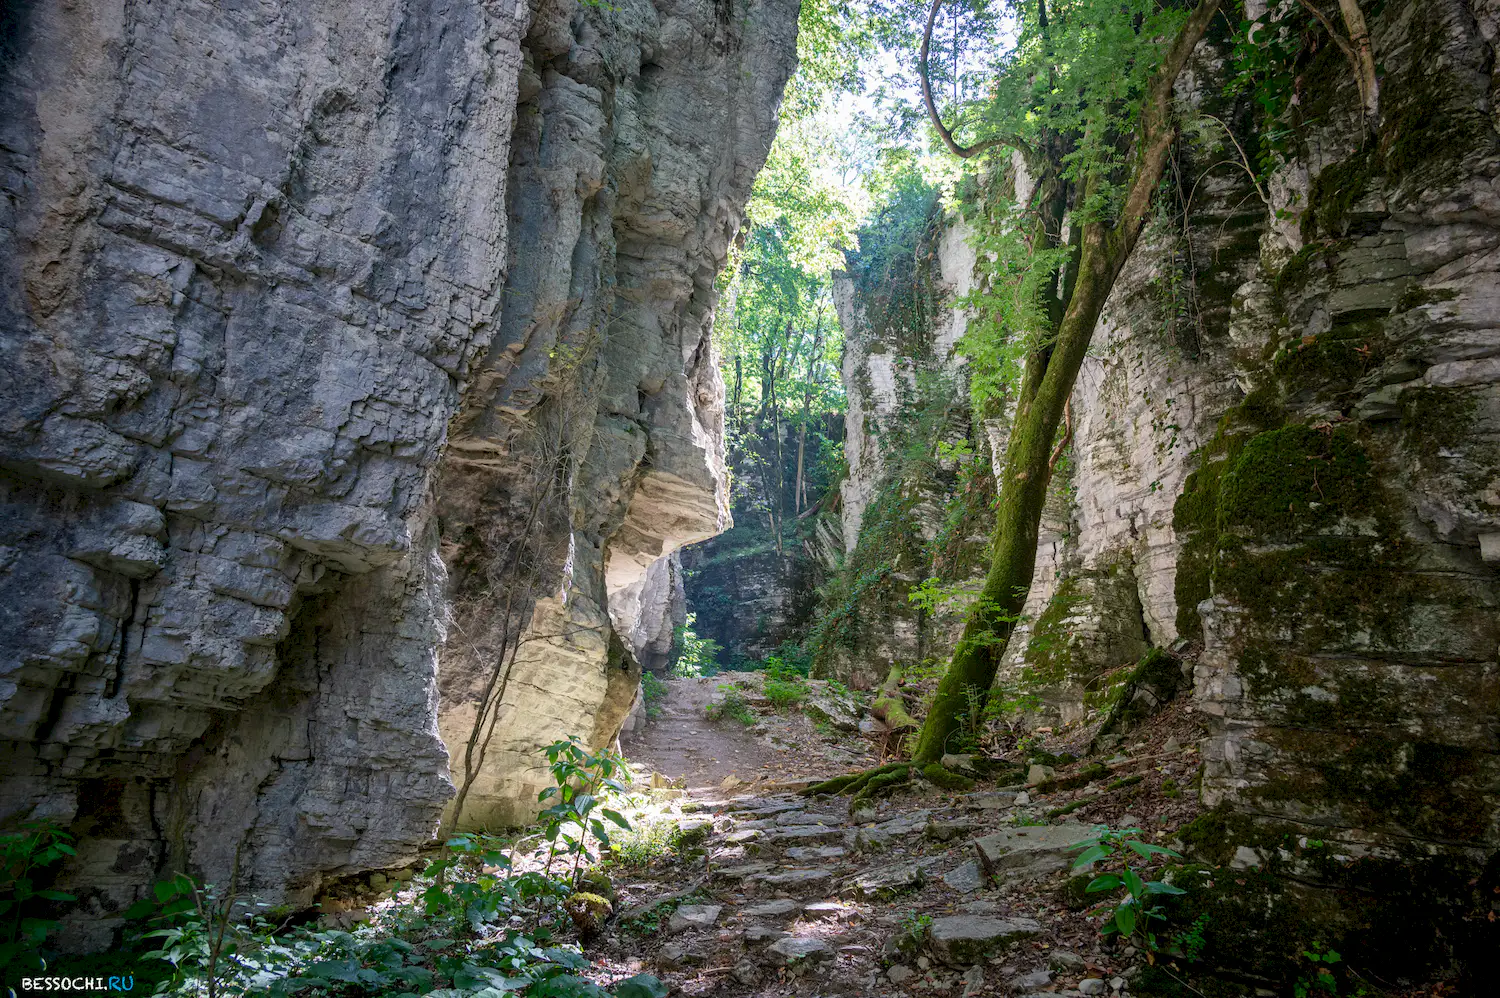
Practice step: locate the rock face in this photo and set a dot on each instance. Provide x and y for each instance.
(1285, 460)
(345, 349)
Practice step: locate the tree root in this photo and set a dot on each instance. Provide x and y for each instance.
(863, 785)
(936, 772)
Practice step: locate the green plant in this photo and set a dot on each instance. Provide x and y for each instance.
(24, 852)
(646, 842)
(1190, 941)
(654, 693)
(580, 775)
(695, 656)
(916, 925)
(1322, 980)
(208, 935)
(1136, 911)
(783, 685)
(731, 705)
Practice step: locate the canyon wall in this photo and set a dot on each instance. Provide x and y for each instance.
(347, 348)
(1284, 468)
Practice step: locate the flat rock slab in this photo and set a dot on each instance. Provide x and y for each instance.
(808, 818)
(962, 940)
(765, 808)
(806, 834)
(800, 949)
(994, 801)
(947, 831)
(878, 838)
(743, 835)
(803, 854)
(694, 916)
(759, 935)
(966, 878)
(842, 714)
(1031, 850)
(826, 909)
(795, 878)
(743, 872)
(887, 881)
(779, 908)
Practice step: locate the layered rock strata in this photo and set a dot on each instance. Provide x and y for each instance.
(328, 330)
(1285, 462)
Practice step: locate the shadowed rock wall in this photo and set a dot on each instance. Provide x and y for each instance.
(294, 295)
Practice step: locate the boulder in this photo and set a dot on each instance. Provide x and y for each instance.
(800, 949)
(1031, 851)
(962, 940)
(693, 916)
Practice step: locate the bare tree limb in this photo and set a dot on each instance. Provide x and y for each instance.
(963, 152)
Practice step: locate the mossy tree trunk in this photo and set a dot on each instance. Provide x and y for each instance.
(1046, 387)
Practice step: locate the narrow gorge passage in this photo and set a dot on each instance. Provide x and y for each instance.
(625, 498)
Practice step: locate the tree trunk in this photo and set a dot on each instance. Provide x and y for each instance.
(799, 488)
(1023, 489)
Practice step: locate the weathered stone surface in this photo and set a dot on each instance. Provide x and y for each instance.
(804, 834)
(879, 838)
(773, 909)
(795, 878)
(761, 935)
(1031, 850)
(961, 940)
(948, 830)
(308, 311)
(965, 878)
(1352, 297)
(693, 916)
(795, 950)
(887, 881)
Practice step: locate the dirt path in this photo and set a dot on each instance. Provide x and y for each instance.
(774, 895)
(683, 743)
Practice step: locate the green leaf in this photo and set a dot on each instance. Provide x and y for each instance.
(618, 819)
(1125, 918)
(1104, 882)
(1091, 856)
(640, 986)
(1146, 850)
(165, 890)
(1134, 883)
(1162, 887)
(56, 896)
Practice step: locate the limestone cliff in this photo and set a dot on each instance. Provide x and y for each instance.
(1285, 466)
(323, 325)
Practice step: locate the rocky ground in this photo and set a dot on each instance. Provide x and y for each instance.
(928, 891)
(684, 745)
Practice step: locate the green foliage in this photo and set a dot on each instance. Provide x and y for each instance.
(731, 705)
(649, 839)
(216, 950)
(26, 852)
(654, 692)
(456, 936)
(783, 685)
(696, 656)
(1138, 909)
(581, 777)
(1322, 979)
(1190, 941)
